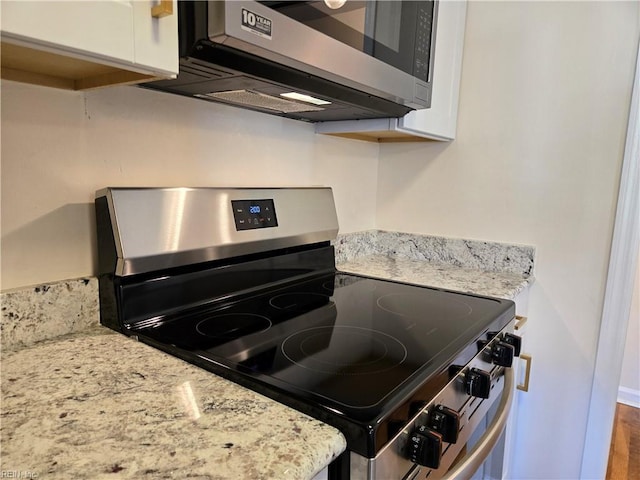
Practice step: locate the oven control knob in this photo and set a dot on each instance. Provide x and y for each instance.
(477, 383)
(502, 354)
(515, 341)
(446, 422)
(425, 447)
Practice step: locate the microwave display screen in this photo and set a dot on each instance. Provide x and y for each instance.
(397, 32)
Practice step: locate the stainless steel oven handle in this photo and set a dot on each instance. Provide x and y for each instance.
(469, 464)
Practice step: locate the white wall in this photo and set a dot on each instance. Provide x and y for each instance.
(59, 147)
(543, 112)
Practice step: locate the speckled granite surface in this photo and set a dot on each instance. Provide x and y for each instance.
(70, 411)
(466, 254)
(32, 314)
(494, 284)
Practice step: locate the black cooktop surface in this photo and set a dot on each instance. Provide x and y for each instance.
(352, 345)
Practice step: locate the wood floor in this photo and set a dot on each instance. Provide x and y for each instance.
(624, 456)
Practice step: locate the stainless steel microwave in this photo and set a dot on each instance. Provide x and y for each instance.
(308, 60)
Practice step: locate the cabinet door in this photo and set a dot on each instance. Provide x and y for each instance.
(156, 37)
(82, 29)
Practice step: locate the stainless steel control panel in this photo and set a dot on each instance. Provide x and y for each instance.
(155, 228)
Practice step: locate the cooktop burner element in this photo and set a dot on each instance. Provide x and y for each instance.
(298, 300)
(395, 367)
(344, 350)
(414, 305)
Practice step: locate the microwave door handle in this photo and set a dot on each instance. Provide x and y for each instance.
(470, 463)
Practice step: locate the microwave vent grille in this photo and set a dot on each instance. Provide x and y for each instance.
(260, 100)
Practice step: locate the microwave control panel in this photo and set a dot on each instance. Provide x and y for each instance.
(423, 40)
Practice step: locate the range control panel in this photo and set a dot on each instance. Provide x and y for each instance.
(252, 214)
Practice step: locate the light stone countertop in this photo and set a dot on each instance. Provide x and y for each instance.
(100, 405)
(451, 277)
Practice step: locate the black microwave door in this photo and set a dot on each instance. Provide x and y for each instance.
(348, 24)
(395, 32)
(393, 35)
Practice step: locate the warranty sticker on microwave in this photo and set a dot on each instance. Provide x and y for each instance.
(254, 23)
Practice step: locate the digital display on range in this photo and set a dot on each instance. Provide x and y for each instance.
(251, 214)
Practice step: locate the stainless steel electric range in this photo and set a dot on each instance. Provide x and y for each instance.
(243, 282)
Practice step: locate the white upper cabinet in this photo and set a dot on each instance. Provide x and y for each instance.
(438, 122)
(87, 44)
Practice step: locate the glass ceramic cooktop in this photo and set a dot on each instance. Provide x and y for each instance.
(343, 341)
